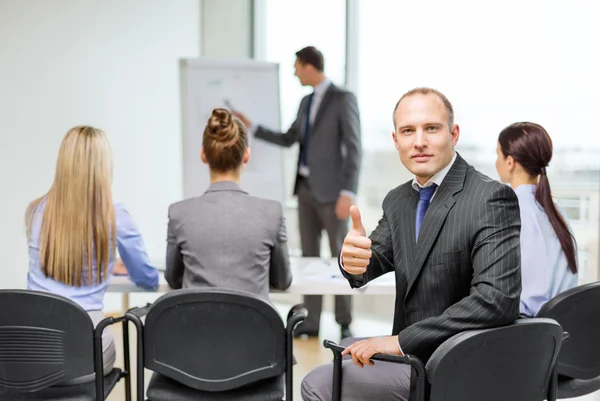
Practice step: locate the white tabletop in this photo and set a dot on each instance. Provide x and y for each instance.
(311, 276)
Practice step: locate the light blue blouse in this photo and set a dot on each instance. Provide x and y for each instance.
(91, 297)
(544, 268)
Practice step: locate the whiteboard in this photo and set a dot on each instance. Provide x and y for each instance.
(252, 87)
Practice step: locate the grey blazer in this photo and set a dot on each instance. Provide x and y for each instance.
(228, 239)
(463, 272)
(334, 146)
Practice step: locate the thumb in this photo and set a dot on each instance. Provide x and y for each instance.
(356, 219)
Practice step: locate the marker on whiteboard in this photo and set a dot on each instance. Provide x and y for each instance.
(229, 105)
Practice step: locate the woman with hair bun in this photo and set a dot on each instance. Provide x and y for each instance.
(548, 248)
(226, 238)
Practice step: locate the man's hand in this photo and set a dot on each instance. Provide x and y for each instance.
(356, 251)
(342, 207)
(242, 118)
(120, 269)
(363, 350)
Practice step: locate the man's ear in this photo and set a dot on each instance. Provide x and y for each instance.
(455, 133)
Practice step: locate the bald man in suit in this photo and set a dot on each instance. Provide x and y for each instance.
(451, 237)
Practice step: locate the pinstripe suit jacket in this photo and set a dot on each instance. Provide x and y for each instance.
(464, 270)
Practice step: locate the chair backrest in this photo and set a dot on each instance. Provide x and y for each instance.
(577, 310)
(45, 339)
(512, 362)
(214, 340)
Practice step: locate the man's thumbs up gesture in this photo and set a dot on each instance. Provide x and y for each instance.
(356, 252)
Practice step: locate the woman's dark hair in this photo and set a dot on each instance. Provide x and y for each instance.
(225, 140)
(530, 145)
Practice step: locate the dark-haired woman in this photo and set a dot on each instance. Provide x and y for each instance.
(548, 248)
(227, 238)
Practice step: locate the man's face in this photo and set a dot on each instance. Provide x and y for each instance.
(422, 137)
(301, 71)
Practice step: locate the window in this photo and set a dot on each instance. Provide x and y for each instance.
(291, 26)
(575, 208)
(498, 63)
(286, 27)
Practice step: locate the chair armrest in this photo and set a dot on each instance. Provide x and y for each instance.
(135, 315)
(411, 360)
(138, 311)
(99, 357)
(405, 359)
(334, 347)
(296, 315)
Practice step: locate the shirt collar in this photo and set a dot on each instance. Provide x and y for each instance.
(436, 178)
(321, 88)
(225, 186)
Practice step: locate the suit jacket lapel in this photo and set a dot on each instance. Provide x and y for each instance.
(434, 219)
(324, 104)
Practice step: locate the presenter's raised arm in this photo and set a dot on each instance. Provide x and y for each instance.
(285, 139)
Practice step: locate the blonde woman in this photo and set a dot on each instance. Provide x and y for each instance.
(69, 230)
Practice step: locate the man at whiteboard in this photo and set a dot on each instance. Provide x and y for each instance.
(327, 127)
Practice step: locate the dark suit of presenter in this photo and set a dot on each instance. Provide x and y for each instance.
(327, 127)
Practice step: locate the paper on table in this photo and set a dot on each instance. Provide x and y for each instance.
(317, 267)
(324, 277)
(322, 271)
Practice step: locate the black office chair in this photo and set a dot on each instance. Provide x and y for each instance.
(578, 312)
(512, 362)
(47, 341)
(209, 344)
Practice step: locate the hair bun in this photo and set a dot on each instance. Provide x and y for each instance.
(221, 127)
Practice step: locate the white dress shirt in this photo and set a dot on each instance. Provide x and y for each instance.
(436, 179)
(318, 95)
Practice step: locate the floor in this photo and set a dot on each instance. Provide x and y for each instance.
(308, 352)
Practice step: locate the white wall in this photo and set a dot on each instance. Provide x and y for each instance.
(112, 64)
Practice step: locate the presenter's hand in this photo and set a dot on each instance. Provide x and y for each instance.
(342, 207)
(356, 251)
(363, 350)
(242, 118)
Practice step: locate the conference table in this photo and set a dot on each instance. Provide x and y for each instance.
(310, 276)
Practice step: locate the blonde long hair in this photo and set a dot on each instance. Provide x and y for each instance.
(78, 228)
